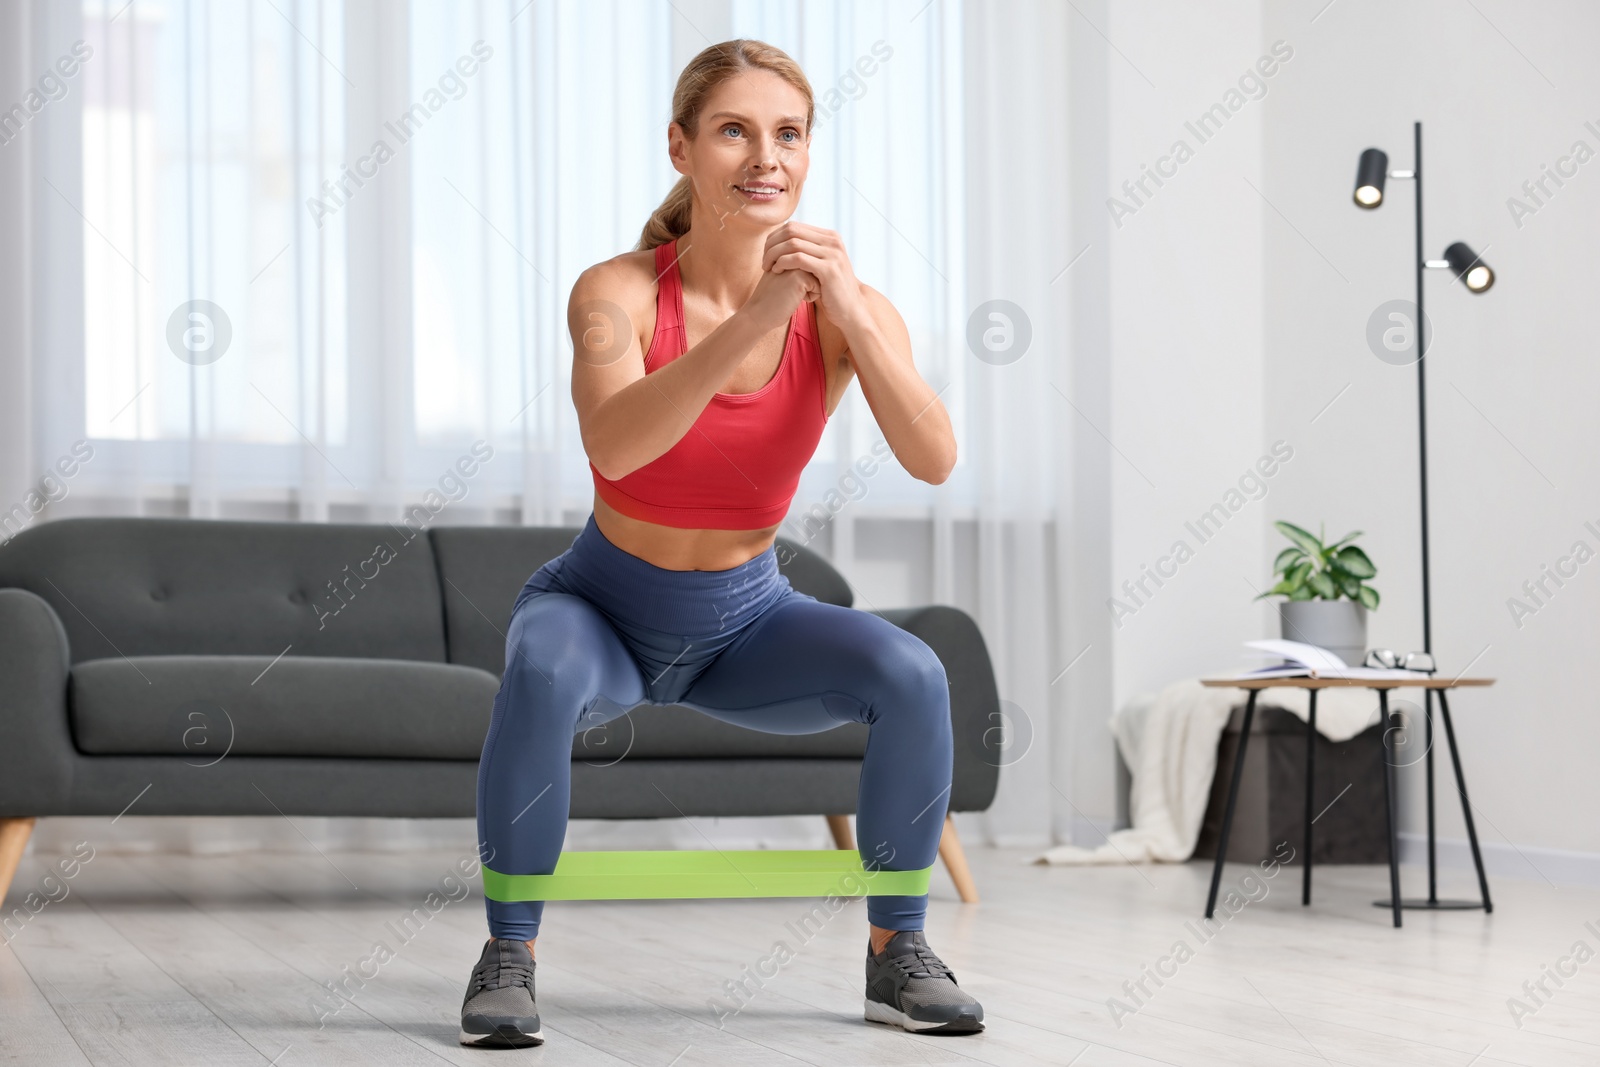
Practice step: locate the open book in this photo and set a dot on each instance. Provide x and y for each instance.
(1311, 661)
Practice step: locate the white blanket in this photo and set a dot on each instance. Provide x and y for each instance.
(1170, 746)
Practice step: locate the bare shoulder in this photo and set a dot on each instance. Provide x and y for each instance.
(626, 280)
(883, 309)
(611, 314)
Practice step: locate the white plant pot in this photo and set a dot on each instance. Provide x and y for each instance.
(1340, 626)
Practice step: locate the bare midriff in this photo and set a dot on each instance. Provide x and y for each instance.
(674, 549)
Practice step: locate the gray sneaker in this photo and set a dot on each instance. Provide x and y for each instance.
(499, 1010)
(909, 987)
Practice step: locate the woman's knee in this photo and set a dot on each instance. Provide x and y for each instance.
(914, 678)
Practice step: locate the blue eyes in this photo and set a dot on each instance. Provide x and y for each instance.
(790, 130)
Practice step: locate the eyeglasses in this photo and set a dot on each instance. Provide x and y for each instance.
(1389, 659)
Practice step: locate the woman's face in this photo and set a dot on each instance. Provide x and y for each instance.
(749, 162)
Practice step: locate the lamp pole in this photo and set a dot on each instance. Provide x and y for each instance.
(1371, 174)
(1422, 466)
(1415, 177)
(1422, 462)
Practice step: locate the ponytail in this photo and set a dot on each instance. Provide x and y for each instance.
(670, 221)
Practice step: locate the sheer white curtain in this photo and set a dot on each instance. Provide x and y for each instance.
(290, 258)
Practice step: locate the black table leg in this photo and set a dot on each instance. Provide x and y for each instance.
(1466, 806)
(1311, 774)
(1433, 866)
(1388, 804)
(1233, 796)
(1433, 902)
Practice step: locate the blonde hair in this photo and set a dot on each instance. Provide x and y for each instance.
(705, 72)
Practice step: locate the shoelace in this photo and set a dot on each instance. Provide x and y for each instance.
(492, 974)
(921, 963)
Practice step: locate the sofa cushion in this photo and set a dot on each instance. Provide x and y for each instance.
(483, 568)
(202, 707)
(205, 707)
(153, 587)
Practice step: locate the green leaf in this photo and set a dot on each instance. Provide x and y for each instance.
(1300, 537)
(1298, 574)
(1349, 584)
(1324, 586)
(1346, 539)
(1302, 592)
(1356, 562)
(1369, 598)
(1283, 588)
(1286, 559)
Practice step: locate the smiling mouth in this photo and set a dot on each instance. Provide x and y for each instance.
(761, 192)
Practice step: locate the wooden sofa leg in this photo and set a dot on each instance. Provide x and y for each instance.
(839, 826)
(955, 861)
(14, 834)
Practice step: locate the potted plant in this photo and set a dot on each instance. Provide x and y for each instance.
(1328, 598)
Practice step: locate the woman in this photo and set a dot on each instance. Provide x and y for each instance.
(707, 363)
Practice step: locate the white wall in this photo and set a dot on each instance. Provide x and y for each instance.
(1236, 314)
(1500, 89)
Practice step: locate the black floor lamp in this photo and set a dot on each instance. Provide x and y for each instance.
(1371, 173)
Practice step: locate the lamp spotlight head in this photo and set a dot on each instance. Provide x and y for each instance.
(1371, 173)
(1474, 272)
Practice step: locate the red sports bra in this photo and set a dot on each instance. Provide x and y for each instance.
(738, 466)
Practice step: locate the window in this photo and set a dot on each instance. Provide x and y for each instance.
(385, 220)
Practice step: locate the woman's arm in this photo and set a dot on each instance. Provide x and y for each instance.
(911, 415)
(628, 418)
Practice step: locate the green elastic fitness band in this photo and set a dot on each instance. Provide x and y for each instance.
(660, 875)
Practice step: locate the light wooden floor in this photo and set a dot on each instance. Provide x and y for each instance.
(173, 960)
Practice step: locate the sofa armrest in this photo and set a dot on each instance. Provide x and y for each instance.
(36, 751)
(974, 698)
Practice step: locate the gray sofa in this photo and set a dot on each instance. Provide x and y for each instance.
(198, 667)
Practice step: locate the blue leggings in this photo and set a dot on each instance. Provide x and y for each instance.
(598, 631)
